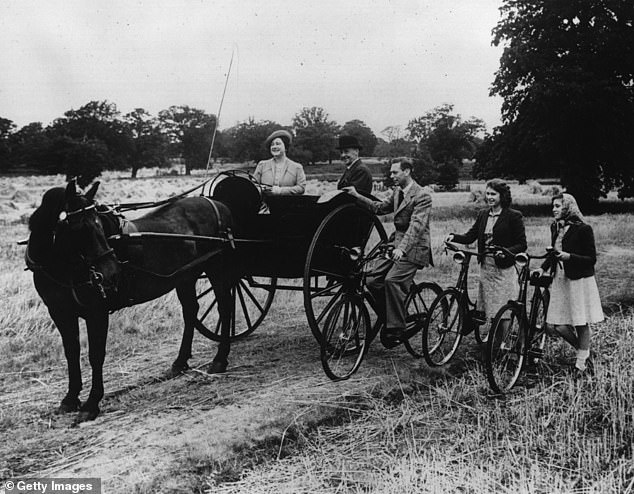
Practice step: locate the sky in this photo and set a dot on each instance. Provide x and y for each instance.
(380, 61)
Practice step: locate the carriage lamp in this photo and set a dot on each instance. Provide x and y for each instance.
(459, 257)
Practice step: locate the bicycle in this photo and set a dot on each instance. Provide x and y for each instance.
(518, 335)
(452, 314)
(347, 329)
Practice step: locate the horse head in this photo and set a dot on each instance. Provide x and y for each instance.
(67, 233)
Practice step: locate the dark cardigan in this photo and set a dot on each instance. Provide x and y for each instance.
(578, 241)
(508, 232)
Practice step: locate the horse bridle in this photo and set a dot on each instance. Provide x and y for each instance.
(95, 277)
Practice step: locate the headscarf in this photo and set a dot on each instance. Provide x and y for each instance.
(570, 212)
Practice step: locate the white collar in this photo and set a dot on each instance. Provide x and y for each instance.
(351, 164)
(407, 187)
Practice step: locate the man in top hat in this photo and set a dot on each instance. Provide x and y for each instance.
(390, 281)
(356, 174)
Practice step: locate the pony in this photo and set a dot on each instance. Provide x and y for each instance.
(78, 273)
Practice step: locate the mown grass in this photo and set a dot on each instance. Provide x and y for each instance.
(434, 432)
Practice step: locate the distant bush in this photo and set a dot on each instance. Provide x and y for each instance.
(553, 190)
(476, 196)
(534, 187)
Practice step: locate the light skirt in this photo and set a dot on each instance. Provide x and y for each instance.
(574, 302)
(497, 286)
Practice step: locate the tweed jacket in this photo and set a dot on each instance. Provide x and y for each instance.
(411, 222)
(508, 232)
(358, 175)
(293, 179)
(578, 241)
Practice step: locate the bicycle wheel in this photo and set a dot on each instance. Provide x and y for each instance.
(505, 349)
(539, 309)
(345, 338)
(442, 331)
(417, 305)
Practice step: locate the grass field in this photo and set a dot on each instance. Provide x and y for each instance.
(275, 423)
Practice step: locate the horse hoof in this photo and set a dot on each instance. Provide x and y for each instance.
(86, 416)
(178, 368)
(68, 406)
(218, 367)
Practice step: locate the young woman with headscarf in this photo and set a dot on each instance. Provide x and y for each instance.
(574, 296)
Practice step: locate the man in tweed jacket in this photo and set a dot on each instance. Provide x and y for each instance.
(390, 281)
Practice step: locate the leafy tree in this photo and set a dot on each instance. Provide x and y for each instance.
(190, 132)
(148, 142)
(245, 141)
(7, 127)
(315, 134)
(363, 133)
(97, 120)
(446, 139)
(567, 79)
(31, 146)
(394, 148)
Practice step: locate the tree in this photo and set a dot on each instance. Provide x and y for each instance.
(148, 142)
(315, 134)
(567, 79)
(446, 139)
(97, 121)
(190, 131)
(7, 127)
(31, 146)
(363, 133)
(245, 141)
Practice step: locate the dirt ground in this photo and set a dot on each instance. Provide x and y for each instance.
(150, 427)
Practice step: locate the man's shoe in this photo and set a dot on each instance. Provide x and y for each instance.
(391, 337)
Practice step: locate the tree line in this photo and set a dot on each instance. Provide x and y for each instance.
(98, 137)
(566, 78)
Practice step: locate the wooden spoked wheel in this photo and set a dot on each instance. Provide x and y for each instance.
(252, 298)
(331, 270)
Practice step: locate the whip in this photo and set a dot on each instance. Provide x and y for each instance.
(213, 137)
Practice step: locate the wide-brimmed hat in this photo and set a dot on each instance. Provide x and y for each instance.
(346, 142)
(285, 135)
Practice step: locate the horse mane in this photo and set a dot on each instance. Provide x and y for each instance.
(45, 217)
(42, 223)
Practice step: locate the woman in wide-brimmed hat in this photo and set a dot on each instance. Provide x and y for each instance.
(280, 174)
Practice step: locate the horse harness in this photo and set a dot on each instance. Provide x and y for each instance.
(124, 230)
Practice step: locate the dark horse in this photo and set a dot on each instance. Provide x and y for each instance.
(79, 275)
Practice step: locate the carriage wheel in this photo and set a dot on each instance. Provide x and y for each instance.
(252, 298)
(345, 340)
(417, 305)
(329, 272)
(442, 331)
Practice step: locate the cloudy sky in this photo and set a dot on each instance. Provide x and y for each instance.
(380, 61)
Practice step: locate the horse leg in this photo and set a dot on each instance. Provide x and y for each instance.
(97, 326)
(222, 289)
(68, 327)
(187, 296)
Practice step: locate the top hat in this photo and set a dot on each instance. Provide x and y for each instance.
(346, 142)
(285, 135)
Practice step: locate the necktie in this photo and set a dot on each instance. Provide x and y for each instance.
(401, 196)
